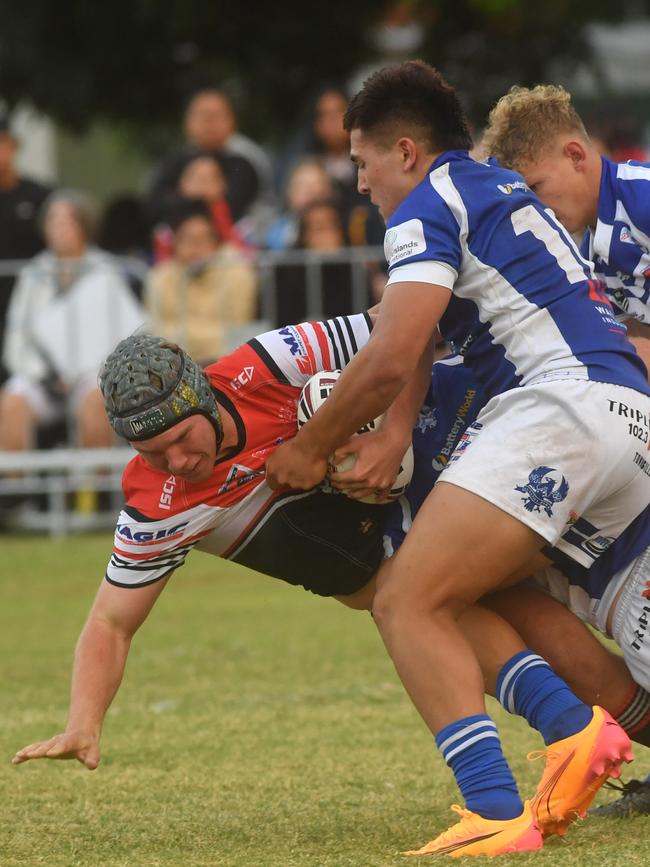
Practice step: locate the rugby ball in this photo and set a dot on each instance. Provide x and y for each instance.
(314, 394)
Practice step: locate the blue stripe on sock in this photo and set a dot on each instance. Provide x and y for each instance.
(505, 691)
(529, 687)
(463, 734)
(472, 749)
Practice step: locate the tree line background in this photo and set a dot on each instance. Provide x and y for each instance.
(134, 62)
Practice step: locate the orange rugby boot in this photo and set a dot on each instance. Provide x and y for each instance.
(474, 835)
(576, 767)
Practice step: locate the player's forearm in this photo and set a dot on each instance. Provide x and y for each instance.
(100, 659)
(404, 410)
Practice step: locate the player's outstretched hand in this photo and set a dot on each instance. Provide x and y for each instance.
(290, 466)
(68, 745)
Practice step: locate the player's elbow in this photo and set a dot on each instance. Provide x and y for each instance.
(395, 356)
(402, 369)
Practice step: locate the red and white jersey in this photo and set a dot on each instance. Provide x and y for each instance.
(259, 385)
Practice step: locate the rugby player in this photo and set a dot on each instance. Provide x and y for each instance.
(150, 395)
(538, 133)
(471, 248)
(609, 596)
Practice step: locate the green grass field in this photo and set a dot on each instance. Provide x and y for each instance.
(256, 726)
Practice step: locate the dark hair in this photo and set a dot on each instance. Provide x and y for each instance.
(410, 96)
(200, 154)
(209, 90)
(333, 90)
(181, 210)
(317, 205)
(123, 227)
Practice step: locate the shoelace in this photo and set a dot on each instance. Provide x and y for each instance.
(535, 755)
(627, 788)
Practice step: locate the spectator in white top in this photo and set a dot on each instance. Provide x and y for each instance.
(70, 303)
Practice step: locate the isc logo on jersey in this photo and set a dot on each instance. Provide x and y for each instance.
(404, 241)
(165, 501)
(245, 376)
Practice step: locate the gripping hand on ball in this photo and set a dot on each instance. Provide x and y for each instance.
(291, 466)
(68, 745)
(374, 460)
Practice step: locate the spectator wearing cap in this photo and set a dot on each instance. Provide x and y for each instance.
(20, 201)
(70, 306)
(207, 288)
(210, 126)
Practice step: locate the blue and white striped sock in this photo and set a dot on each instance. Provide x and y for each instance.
(472, 749)
(528, 686)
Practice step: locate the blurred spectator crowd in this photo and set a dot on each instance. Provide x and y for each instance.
(188, 259)
(225, 241)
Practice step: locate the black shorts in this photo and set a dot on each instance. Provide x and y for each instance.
(327, 543)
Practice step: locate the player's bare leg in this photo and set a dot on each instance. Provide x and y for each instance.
(446, 563)
(595, 674)
(531, 619)
(459, 548)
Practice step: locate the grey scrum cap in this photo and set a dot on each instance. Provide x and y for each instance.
(149, 385)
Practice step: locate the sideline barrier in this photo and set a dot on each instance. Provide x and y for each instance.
(68, 482)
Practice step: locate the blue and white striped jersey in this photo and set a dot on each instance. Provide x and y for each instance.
(525, 306)
(619, 246)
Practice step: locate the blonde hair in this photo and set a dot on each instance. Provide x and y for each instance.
(523, 124)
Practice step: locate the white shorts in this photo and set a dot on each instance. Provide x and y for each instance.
(47, 407)
(631, 617)
(567, 458)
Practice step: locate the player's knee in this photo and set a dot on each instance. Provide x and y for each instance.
(384, 611)
(393, 606)
(396, 598)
